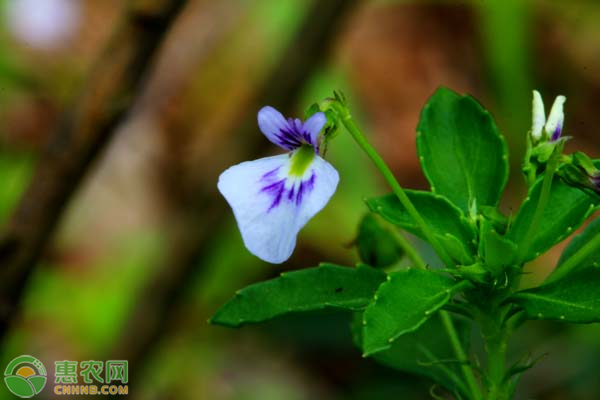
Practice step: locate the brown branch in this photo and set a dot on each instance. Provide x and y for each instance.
(191, 236)
(115, 83)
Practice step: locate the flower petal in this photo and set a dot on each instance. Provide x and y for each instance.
(277, 129)
(313, 127)
(556, 118)
(271, 207)
(538, 116)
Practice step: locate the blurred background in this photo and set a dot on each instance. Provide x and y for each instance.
(116, 118)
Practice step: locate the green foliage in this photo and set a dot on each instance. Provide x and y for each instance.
(426, 351)
(497, 251)
(445, 220)
(326, 286)
(574, 298)
(402, 304)
(462, 153)
(399, 322)
(376, 244)
(577, 243)
(568, 207)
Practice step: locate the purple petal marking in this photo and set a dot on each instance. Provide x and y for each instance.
(270, 174)
(305, 188)
(314, 125)
(295, 134)
(277, 190)
(556, 133)
(595, 183)
(290, 133)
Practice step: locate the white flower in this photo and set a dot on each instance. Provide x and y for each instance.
(274, 197)
(554, 126)
(43, 23)
(539, 116)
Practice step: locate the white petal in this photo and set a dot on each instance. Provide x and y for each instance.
(314, 125)
(538, 116)
(271, 207)
(556, 118)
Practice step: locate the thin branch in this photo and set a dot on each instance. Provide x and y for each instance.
(114, 84)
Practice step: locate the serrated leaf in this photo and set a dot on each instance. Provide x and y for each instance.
(417, 352)
(574, 298)
(578, 241)
(567, 208)
(462, 153)
(326, 286)
(403, 303)
(444, 219)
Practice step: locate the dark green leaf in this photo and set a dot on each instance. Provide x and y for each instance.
(326, 286)
(445, 220)
(426, 351)
(495, 218)
(578, 241)
(376, 244)
(402, 304)
(567, 208)
(462, 153)
(574, 298)
(497, 251)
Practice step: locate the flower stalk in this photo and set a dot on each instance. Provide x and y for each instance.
(357, 135)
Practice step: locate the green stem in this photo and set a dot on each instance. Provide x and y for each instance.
(585, 250)
(410, 251)
(350, 125)
(496, 369)
(528, 167)
(460, 355)
(495, 334)
(542, 201)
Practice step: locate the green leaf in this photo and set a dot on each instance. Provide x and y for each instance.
(462, 153)
(495, 218)
(568, 207)
(426, 351)
(496, 250)
(326, 286)
(574, 298)
(376, 244)
(402, 304)
(445, 220)
(578, 241)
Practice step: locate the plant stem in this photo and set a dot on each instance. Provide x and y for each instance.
(542, 201)
(585, 250)
(460, 354)
(350, 125)
(495, 334)
(410, 251)
(528, 168)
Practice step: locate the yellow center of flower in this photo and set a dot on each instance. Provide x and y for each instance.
(301, 159)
